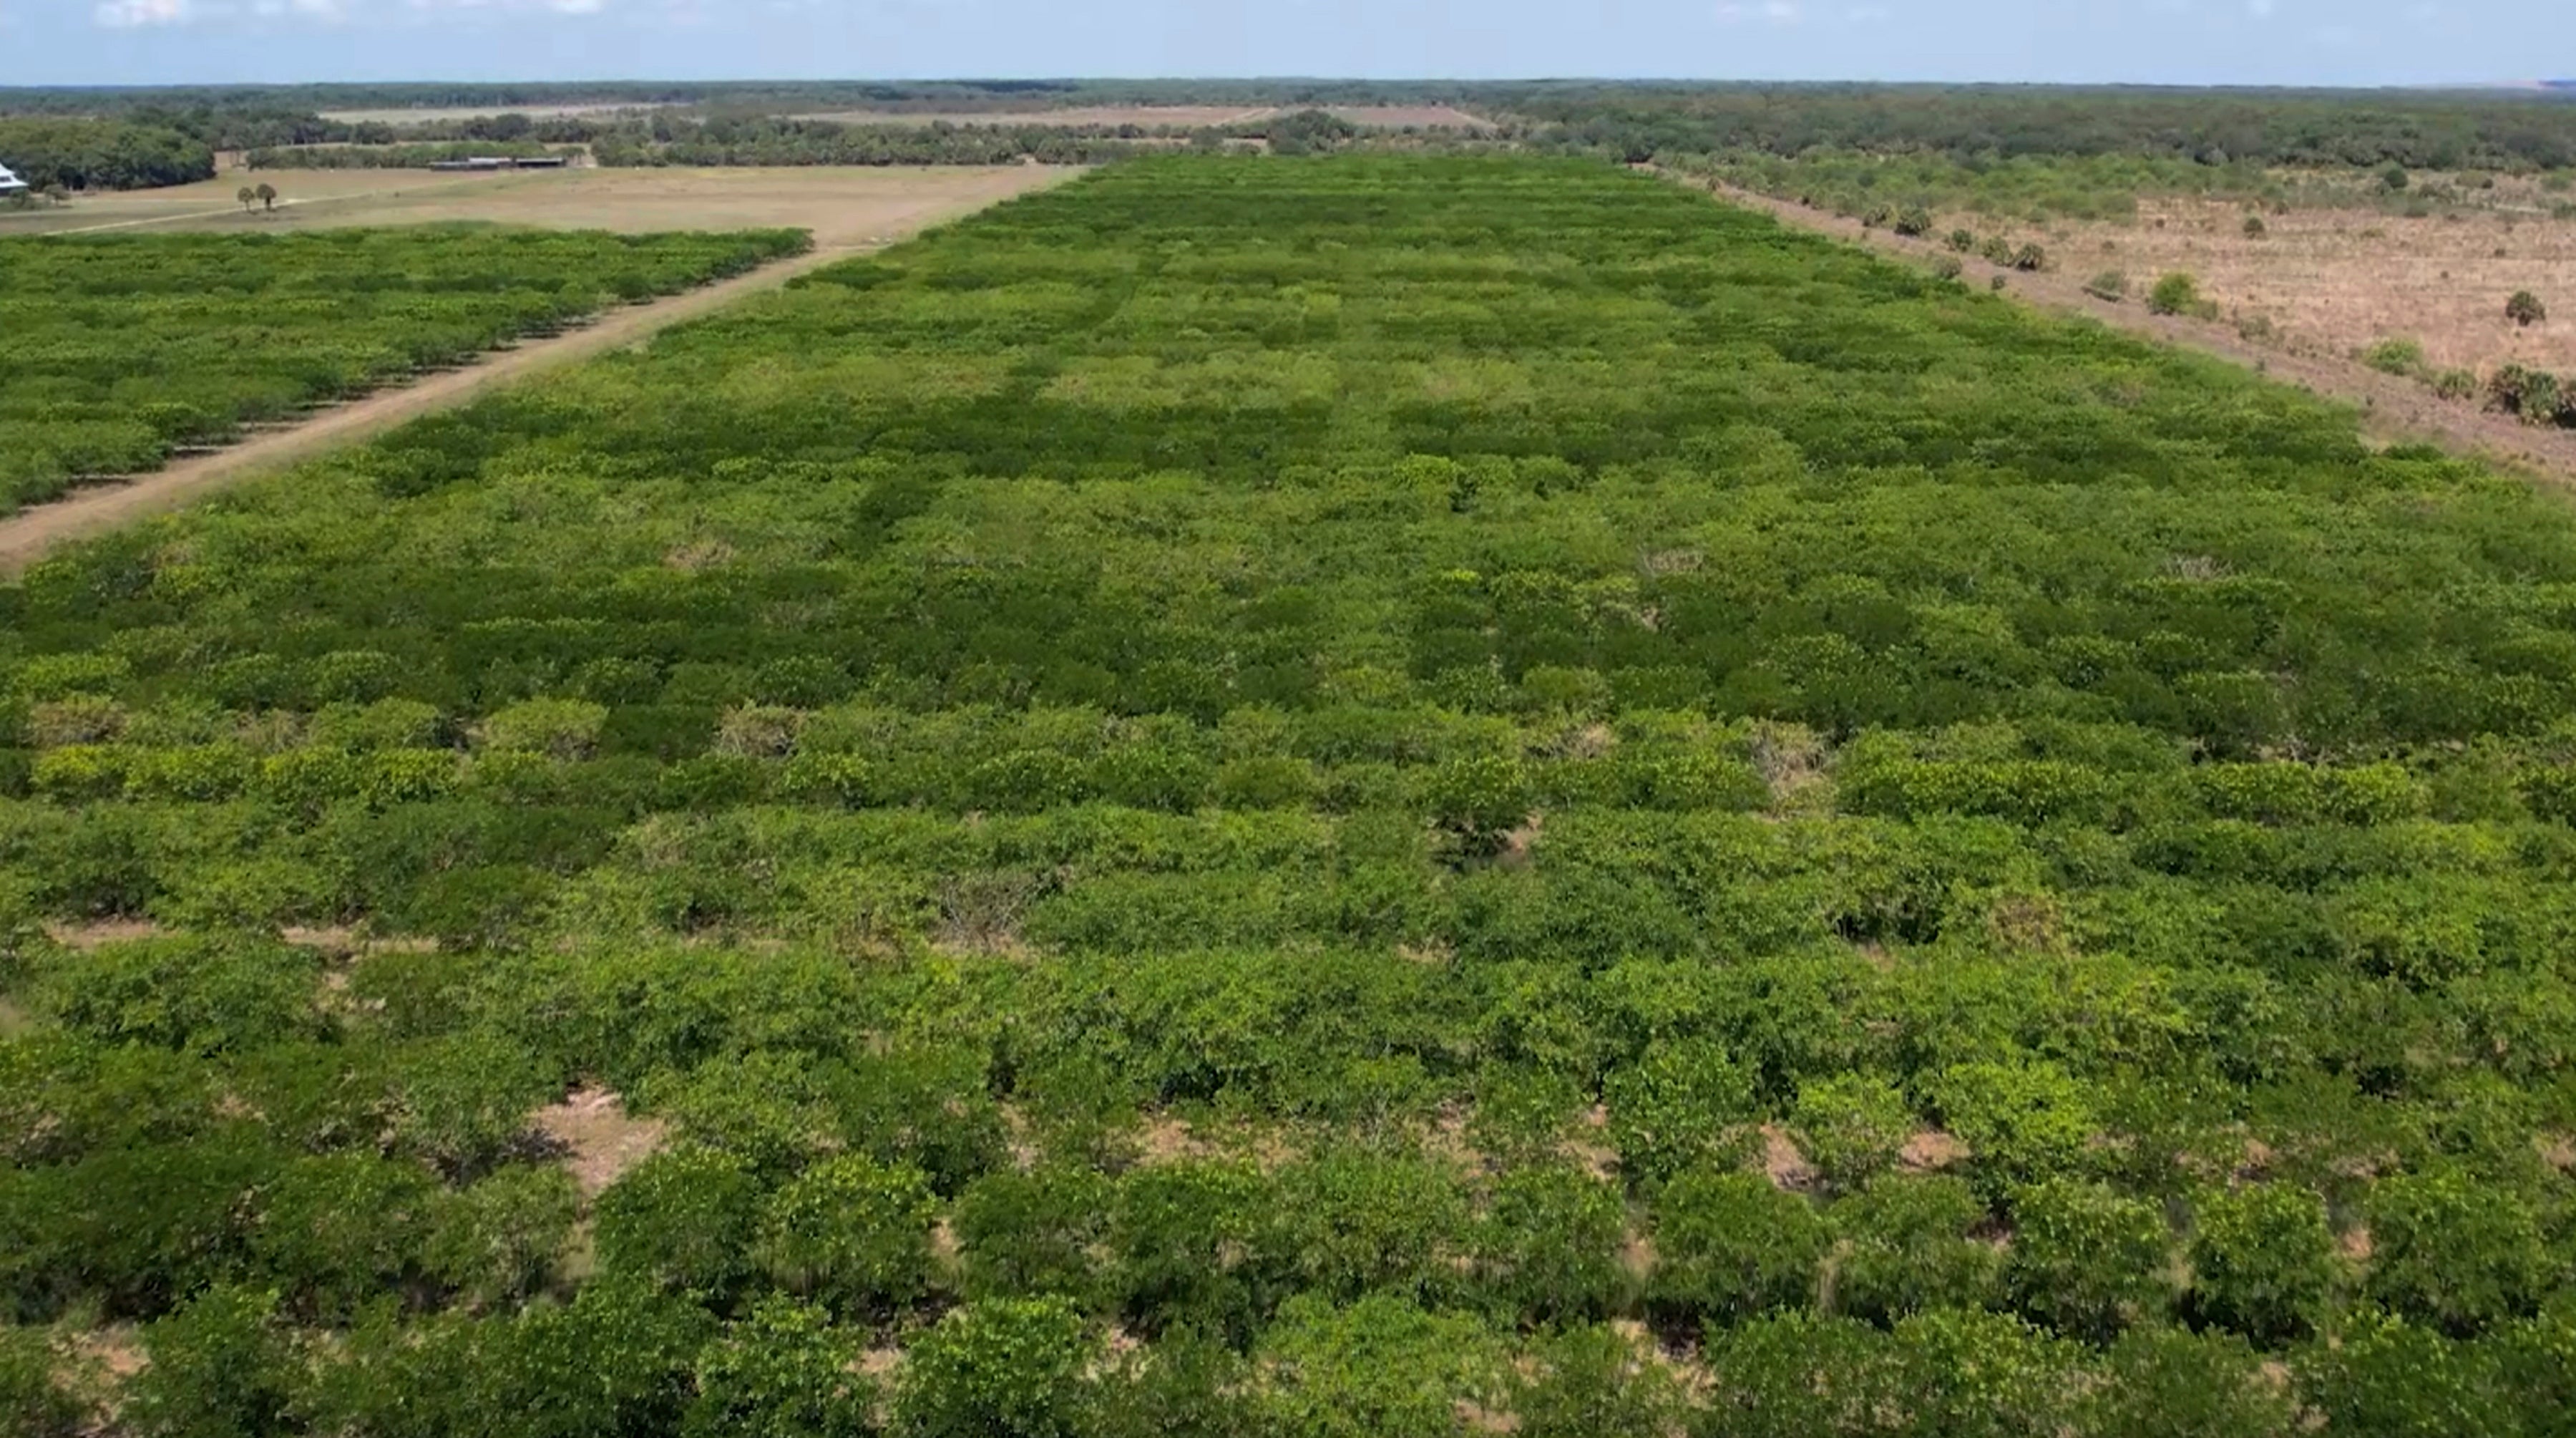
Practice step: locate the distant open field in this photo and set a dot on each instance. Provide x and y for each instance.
(1390, 117)
(1180, 116)
(442, 115)
(841, 206)
(1397, 117)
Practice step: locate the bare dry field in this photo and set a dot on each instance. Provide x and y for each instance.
(441, 115)
(2342, 280)
(1189, 117)
(1186, 117)
(1407, 117)
(841, 205)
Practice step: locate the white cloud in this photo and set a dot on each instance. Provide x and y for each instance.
(1767, 12)
(143, 14)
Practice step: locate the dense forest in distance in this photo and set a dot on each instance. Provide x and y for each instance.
(2509, 130)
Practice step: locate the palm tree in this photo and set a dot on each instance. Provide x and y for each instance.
(245, 194)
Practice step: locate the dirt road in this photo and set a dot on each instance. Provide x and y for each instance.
(29, 535)
(2393, 407)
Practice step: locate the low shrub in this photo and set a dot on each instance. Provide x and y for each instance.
(2395, 356)
(2177, 293)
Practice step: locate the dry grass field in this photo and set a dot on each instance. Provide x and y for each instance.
(842, 206)
(442, 115)
(1187, 117)
(1404, 117)
(2345, 279)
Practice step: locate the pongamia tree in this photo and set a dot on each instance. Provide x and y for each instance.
(246, 195)
(267, 194)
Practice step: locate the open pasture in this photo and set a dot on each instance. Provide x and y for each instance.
(1187, 117)
(1328, 795)
(1164, 117)
(400, 116)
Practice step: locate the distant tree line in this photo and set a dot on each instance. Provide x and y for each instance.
(387, 157)
(101, 154)
(2432, 130)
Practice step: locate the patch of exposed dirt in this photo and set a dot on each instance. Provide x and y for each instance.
(2354, 1243)
(599, 1138)
(1791, 760)
(2558, 1150)
(342, 941)
(1637, 1256)
(1931, 1151)
(1165, 1138)
(1787, 1167)
(96, 932)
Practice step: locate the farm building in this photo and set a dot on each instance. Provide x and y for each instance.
(10, 184)
(503, 162)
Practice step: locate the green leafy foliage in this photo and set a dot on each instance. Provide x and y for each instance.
(2262, 1261)
(126, 347)
(1310, 758)
(782, 1371)
(1001, 1368)
(2451, 1252)
(2087, 1261)
(1729, 1246)
(852, 1232)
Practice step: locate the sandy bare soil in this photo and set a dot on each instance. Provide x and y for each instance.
(845, 220)
(840, 204)
(211, 204)
(2392, 407)
(2347, 279)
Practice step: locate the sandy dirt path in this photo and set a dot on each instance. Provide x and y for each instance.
(29, 535)
(2393, 408)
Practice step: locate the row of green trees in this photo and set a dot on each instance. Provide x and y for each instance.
(85, 154)
(1316, 778)
(124, 348)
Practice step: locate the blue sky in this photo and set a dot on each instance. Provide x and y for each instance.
(2173, 41)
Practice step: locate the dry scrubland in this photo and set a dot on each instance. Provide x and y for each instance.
(2345, 279)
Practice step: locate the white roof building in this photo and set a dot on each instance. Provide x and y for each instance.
(10, 184)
